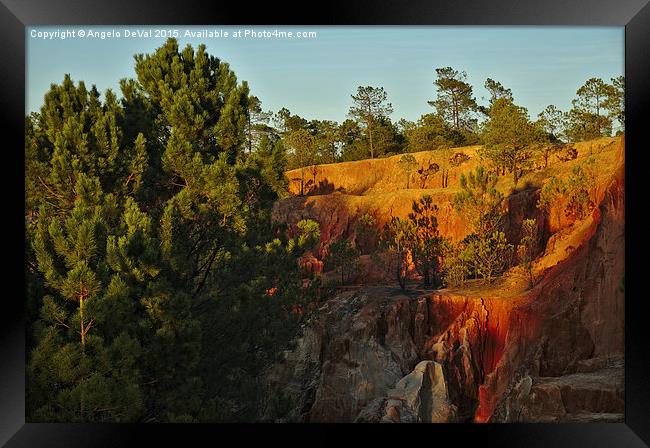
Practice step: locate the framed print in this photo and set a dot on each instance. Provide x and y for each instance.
(241, 221)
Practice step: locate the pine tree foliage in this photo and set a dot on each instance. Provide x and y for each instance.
(158, 282)
(427, 245)
(397, 242)
(507, 134)
(343, 257)
(455, 101)
(479, 200)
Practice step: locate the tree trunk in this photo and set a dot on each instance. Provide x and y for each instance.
(372, 153)
(81, 322)
(250, 136)
(83, 347)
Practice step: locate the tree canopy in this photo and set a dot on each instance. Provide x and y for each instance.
(507, 133)
(455, 101)
(370, 104)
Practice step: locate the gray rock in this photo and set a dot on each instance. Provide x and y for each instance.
(421, 396)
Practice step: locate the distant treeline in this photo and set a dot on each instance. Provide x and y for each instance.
(457, 119)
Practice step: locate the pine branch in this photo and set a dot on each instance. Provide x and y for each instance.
(207, 271)
(60, 322)
(47, 187)
(87, 328)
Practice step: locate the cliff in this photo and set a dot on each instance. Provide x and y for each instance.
(499, 352)
(378, 188)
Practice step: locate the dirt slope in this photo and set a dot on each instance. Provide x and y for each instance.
(377, 187)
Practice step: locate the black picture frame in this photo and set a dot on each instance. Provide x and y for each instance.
(15, 15)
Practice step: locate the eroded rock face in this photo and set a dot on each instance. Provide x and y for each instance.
(292, 383)
(376, 354)
(567, 326)
(361, 345)
(468, 335)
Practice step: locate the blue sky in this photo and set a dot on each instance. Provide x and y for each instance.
(315, 77)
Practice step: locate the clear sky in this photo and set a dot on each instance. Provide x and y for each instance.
(314, 77)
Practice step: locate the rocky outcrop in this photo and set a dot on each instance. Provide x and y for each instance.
(377, 354)
(420, 397)
(596, 395)
(470, 341)
(361, 345)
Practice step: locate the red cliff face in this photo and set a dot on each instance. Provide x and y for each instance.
(570, 324)
(366, 340)
(507, 353)
(467, 335)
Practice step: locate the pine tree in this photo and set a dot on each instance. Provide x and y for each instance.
(615, 102)
(497, 90)
(304, 152)
(552, 121)
(69, 368)
(552, 192)
(370, 104)
(455, 266)
(479, 201)
(343, 257)
(397, 240)
(455, 100)
(367, 234)
(586, 118)
(154, 267)
(257, 125)
(490, 254)
(506, 134)
(577, 193)
(432, 132)
(528, 247)
(427, 244)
